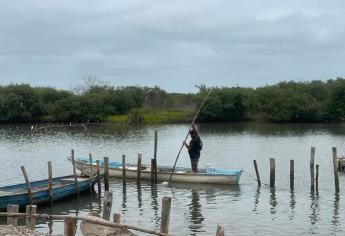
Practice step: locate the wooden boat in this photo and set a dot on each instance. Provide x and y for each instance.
(181, 174)
(62, 187)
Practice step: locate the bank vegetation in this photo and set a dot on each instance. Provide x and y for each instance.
(314, 101)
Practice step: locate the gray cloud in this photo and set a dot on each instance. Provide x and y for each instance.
(172, 44)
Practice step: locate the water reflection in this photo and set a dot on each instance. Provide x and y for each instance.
(314, 206)
(292, 205)
(273, 201)
(256, 198)
(154, 204)
(140, 199)
(335, 219)
(124, 198)
(195, 213)
(270, 129)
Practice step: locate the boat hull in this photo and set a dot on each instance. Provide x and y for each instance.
(165, 175)
(63, 187)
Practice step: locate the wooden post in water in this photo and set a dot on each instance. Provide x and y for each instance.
(50, 182)
(76, 183)
(91, 173)
(31, 221)
(155, 157)
(312, 169)
(12, 209)
(124, 168)
(139, 169)
(257, 173)
(292, 174)
(106, 174)
(220, 230)
(117, 218)
(28, 185)
(165, 217)
(335, 168)
(272, 172)
(317, 177)
(70, 225)
(155, 170)
(98, 177)
(107, 203)
(152, 171)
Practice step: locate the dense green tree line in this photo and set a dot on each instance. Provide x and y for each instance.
(314, 101)
(23, 103)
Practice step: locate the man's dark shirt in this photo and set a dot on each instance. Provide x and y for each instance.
(195, 147)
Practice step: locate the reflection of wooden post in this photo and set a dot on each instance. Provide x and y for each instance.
(117, 218)
(139, 169)
(292, 174)
(31, 221)
(124, 168)
(335, 168)
(75, 174)
(12, 209)
(91, 173)
(272, 172)
(317, 177)
(155, 156)
(50, 182)
(257, 172)
(165, 218)
(220, 230)
(312, 169)
(98, 178)
(107, 203)
(28, 185)
(70, 226)
(106, 173)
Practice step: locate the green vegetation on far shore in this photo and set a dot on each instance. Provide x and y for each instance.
(314, 101)
(151, 117)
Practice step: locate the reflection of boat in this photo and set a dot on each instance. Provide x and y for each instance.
(62, 187)
(181, 174)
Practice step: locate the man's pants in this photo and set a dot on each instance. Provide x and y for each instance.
(194, 163)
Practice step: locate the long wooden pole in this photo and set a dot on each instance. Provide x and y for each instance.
(87, 219)
(292, 174)
(272, 172)
(257, 173)
(91, 173)
(196, 116)
(312, 168)
(335, 169)
(50, 182)
(155, 157)
(139, 169)
(76, 183)
(28, 185)
(106, 173)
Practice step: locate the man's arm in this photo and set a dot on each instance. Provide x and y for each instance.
(186, 144)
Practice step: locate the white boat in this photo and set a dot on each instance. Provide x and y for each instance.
(181, 174)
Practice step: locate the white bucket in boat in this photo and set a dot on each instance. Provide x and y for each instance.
(210, 168)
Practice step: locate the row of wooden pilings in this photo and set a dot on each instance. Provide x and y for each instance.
(107, 200)
(314, 177)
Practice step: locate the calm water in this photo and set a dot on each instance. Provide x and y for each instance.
(196, 209)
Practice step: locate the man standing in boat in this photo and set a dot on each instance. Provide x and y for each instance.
(194, 147)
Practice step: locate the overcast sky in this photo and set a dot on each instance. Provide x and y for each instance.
(175, 44)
